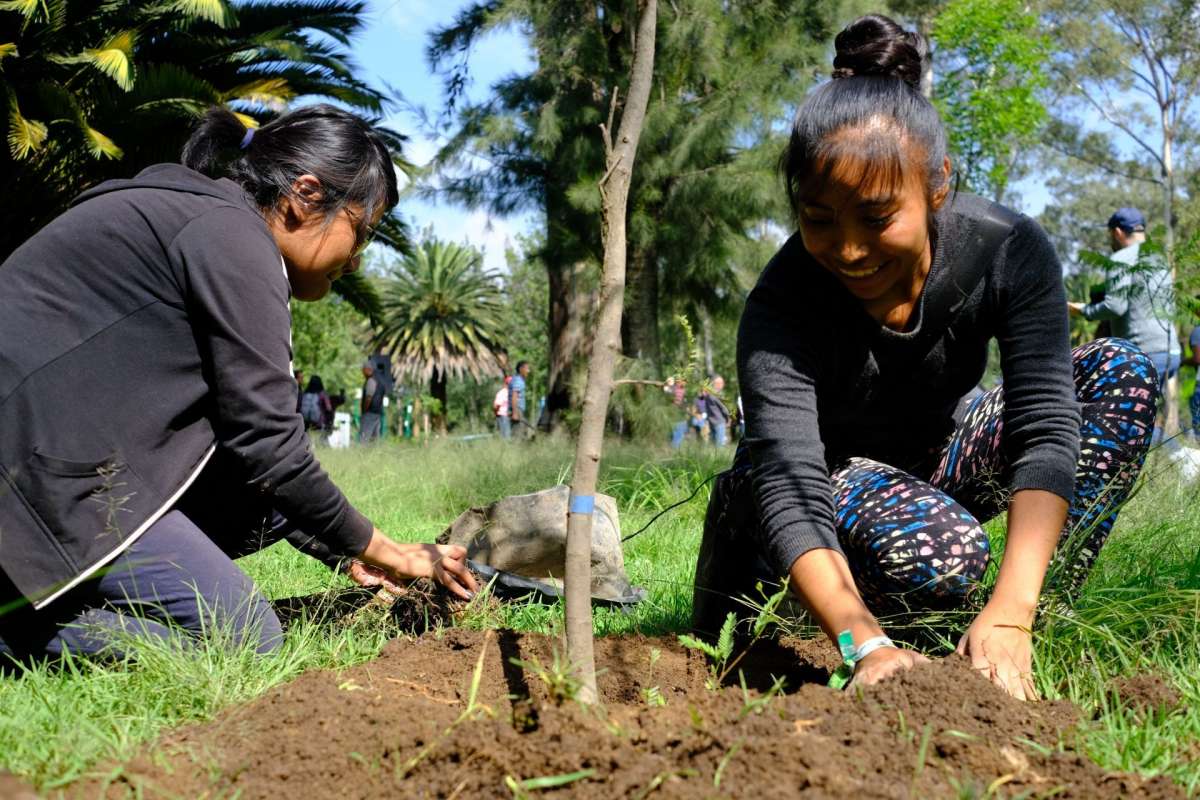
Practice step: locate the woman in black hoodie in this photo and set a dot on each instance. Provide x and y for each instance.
(167, 297)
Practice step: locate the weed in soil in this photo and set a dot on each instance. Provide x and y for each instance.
(407, 724)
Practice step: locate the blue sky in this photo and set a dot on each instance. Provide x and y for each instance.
(392, 52)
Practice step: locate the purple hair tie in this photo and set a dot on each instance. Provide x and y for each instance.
(246, 139)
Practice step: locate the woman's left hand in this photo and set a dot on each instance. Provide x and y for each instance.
(1000, 645)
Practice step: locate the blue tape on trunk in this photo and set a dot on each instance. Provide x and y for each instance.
(582, 504)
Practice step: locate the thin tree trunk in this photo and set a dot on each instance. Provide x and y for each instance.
(614, 188)
(639, 324)
(1171, 422)
(437, 390)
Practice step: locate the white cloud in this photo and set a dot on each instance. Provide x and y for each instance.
(410, 17)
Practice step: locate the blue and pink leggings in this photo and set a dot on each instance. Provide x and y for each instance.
(919, 544)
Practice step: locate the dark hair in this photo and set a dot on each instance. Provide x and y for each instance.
(521, 364)
(315, 385)
(348, 157)
(872, 111)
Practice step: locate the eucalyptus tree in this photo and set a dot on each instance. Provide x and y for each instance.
(1133, 68)
(441, 317)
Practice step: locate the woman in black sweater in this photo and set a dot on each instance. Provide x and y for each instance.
(857, 479)
(166, 296)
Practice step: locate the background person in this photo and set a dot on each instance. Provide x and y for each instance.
(315, 406)
(516, 401)
(1139, 299)
(717, 413)
(371, 411)
(854, 480)
(1194, 400)
(500, 408)
(178, 283)
(677, 389)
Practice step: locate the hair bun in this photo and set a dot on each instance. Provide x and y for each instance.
(877, 45)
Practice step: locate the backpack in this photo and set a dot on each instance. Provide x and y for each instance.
(310, 409)
(500, 402)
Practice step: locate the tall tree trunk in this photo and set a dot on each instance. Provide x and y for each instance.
(437, 390)
(614, 189)
(925, 28)
(1171, 423)
(706, 339)
(639, 324)
(568, 310)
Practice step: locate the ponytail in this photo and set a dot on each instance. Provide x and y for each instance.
(343, 151)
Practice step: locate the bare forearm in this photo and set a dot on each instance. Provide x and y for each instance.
(1035, 522)
(822, 580)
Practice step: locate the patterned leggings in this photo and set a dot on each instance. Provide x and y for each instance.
(1194, 407)
(919, 544)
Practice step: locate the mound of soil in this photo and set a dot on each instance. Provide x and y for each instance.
(1146, 694)
(403, 725)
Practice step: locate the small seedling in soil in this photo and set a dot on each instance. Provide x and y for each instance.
(922, 752)
(521, 788)
(559, 677)
(720, 654)
(652, 694)
(756, 705)
(662, 778)
(725, 762)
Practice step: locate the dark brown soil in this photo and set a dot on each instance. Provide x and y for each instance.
(1146, 694)
(399, 726)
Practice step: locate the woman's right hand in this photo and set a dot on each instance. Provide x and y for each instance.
(884, 663)
(444, 563)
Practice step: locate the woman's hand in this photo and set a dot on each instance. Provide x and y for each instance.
(1000, 645)
(443, 563)
(884, 663)
(366, 575)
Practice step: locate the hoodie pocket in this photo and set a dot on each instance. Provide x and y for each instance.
(84, 504)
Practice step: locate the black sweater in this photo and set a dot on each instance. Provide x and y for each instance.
(822, 381)
(139, 330)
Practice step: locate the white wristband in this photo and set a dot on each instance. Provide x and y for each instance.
(870, 646)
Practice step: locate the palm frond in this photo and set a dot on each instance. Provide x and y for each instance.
(272, 93)
(26, 8)
(217, 12)
(358, 291)
(24, 135)
(100, 145)
(114, 58)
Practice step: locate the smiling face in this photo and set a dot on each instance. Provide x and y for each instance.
(317, 247)
(872, 233)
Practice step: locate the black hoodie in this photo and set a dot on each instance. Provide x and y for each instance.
(139, 330)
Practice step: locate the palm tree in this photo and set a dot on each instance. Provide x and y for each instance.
(441, 317)
(95, 89)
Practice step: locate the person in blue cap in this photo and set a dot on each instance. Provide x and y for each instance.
(1139, 300)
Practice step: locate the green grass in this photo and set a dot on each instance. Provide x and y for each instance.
(1139, 611)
